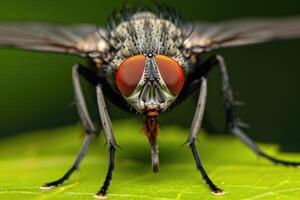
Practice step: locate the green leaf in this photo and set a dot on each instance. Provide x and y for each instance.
(29, 160)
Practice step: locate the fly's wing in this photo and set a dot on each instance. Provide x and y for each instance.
(210, 36)
(80, 40)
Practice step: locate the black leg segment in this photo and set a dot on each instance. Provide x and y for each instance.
(214, 189)
(111, 165)
(74, 167)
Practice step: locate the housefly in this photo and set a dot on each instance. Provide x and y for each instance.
(145, 61)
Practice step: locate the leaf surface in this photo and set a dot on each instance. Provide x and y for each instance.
(29, 160)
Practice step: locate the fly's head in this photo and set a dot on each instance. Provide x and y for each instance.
(150, 83)
(148, 66)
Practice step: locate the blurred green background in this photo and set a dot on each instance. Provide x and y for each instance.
(36, 88)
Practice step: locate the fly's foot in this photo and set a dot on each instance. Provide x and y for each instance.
(51, 185)
(218, 192)
(101, 195)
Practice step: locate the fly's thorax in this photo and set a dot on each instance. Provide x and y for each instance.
(147, 58)
(145, 33)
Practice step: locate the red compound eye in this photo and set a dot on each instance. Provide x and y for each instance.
(129, 74)
(171, 73)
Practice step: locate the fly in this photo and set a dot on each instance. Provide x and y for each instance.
(145, 62)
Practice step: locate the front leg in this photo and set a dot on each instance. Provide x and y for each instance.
(110, 139)
(194, 134)
(87, 124)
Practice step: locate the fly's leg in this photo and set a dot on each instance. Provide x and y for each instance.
(88, 126)
(233, 123)
(110, 139)
(194, 133)
(75, 166)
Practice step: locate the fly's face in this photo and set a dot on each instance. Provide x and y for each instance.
(150, 83)
(148, 63)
